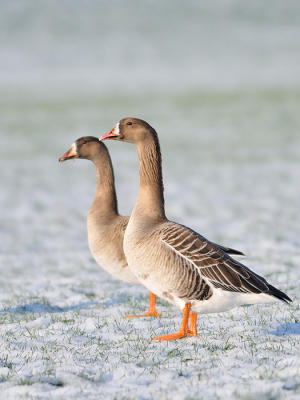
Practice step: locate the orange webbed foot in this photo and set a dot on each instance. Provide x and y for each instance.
(136, 316)
(153, 314)
(191, 333)
(173, 336)
(183, 330)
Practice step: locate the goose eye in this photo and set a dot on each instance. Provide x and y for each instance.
(129, 123)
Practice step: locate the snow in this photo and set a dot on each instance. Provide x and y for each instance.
(63, 332)
(229, 133)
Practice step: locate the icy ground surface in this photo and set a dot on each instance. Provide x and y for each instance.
(63, 334)
(219, 81)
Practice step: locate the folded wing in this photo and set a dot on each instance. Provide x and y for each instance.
(204, 263)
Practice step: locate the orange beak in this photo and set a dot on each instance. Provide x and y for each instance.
(114, 134)
(69, 154)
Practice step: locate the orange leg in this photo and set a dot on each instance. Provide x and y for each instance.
(151, 310)
(184, 327)
(193, 325)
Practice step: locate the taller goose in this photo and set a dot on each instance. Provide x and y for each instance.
(172, 260)
(106, 227)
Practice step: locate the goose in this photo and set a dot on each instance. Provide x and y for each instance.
(106, 227)
(173, 261)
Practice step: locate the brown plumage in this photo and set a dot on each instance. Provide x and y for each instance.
(106, 228)
(173, 261)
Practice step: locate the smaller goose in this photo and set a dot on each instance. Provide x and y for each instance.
(106, 227)
(173, 261)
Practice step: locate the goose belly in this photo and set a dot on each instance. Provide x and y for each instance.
(116, 268)
(151, 270)
(111, 258)
(223, 300)
(160, 290)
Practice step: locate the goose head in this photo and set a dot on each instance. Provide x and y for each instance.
(86, 147)
(131, 130)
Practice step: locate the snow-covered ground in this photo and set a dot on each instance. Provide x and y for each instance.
(231, 171)
(63, 331)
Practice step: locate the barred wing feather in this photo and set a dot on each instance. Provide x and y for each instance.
(210, 262)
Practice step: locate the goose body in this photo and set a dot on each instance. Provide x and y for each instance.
(105, 226)
(173, 261)
(184, 267)
(105, 237)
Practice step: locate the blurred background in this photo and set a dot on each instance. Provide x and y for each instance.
(220, 82)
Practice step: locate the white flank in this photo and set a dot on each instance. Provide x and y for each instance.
(223, 300)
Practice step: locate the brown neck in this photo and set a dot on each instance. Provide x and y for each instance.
(105, 201)
(150, 200)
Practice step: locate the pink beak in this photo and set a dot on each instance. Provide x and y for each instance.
(69, 155)
(111, 135)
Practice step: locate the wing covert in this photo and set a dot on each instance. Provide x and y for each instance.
(211, 261)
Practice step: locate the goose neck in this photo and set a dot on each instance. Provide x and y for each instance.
(151, 193)
(105, 201)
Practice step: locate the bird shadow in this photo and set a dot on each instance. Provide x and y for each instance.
(33, 308)
(287, 329)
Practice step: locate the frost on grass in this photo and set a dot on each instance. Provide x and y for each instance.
(231, 169)
(68, 340)
(63, 334)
